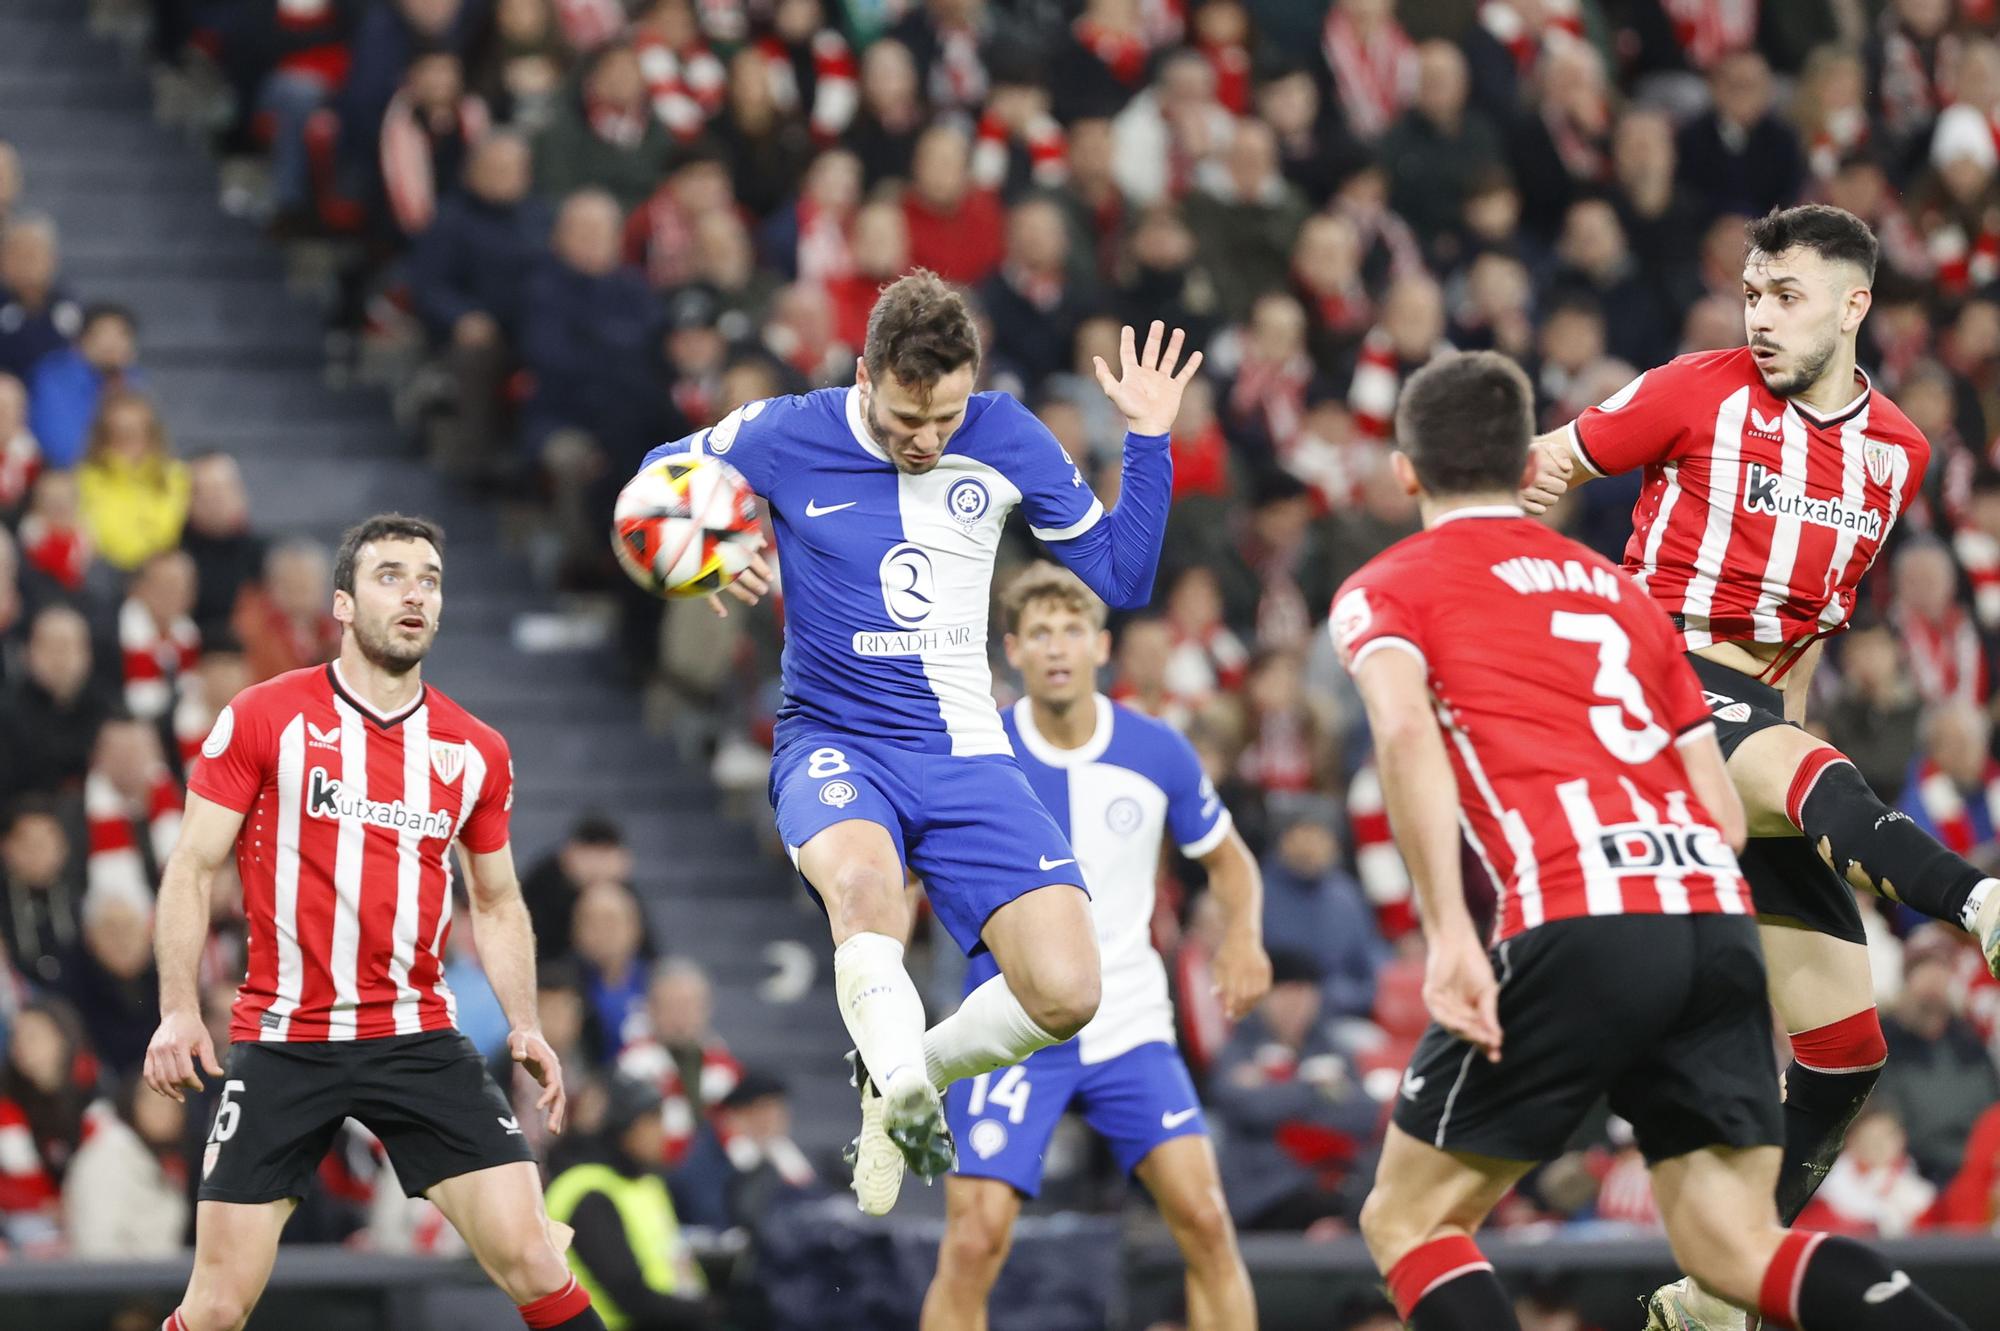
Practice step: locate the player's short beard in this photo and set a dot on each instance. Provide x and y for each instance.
(385, 653)
(1811, 367)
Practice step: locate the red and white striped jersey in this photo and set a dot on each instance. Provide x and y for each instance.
(1563, 697)
(1758, 518)
(349, 816)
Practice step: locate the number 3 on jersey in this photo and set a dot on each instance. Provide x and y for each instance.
(1613, 722)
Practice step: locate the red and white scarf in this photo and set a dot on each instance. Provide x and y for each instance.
(1963, 262)
(1945, 656)
(1917, 78)
(64, 553)
(1377, 862)
(1504, 24)
(958, 75)
(836, 82)
(1043, 138)
(115, 825)
(686, 87)
(1707, 30)
(1944, 804)
(1979, 555)
(1274, 392)
(825, 252)
(1231, 63)
(1123, 53)
(409, 168)
(1376, 76)
(155, 658)
(1841, 132)
(20, 460)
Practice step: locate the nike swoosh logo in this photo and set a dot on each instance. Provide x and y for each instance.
(1884, 1290)
(813, 510)
(1175, 1120)
(1048, 863)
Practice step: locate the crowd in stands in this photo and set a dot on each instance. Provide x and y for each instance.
(611, 222)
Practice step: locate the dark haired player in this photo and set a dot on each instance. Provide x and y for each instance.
(1773, 474)
(889, 498)
(340, 789)
(1541, 688)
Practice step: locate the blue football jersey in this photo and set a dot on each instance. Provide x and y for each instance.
(888, 577)
(1116, 798)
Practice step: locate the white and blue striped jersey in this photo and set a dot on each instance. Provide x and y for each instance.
(1116, 798)
(888, 576)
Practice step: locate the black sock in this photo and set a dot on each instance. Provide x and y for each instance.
(1841, 816)
(1849, 1287)
(587, 1320)
(1818, 1108)
(1472, 1302)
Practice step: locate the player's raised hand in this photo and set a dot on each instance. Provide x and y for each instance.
(1242, 973)
(1460, 991)
(753, 584)
(179, 1051)
(532, 1052)
(1147, 388)
(1548, 477)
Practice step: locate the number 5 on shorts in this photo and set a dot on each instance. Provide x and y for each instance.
(227, 1114)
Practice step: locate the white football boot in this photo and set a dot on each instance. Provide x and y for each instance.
(1686, 1306)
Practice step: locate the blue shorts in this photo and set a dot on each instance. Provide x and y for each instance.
(970, 827)
(1002, 1120)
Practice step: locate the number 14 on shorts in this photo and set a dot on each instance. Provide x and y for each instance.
(1005, 1090)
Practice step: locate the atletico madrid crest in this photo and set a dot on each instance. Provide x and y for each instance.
(447, 760)
(1881, 459)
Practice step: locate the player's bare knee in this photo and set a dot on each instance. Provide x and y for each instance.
(975, 1246)
(1063, 1005)
(862, 898)
(528, 1267)
(1391, 1226)
(1202, 1227)
(214, 1310)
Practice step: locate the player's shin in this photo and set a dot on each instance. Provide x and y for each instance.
(880, 1004)
(1448, 1285)
(1877, 847)
(990, 1030)
(1820, 1282)
(1833, 1069)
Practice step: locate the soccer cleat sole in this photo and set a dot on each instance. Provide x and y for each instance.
(877, 1160)
(1664, 1312)
(1988, 926)
(915, 1122)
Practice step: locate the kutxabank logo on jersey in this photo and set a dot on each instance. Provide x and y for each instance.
(909, 595)
(1769, 492)
(326, 799)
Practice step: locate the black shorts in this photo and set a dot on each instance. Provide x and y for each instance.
(1665, 1014)
(428, 1098)
(1788, 880)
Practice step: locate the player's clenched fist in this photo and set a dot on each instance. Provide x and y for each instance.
(1147, 390)
(1548, 477)
(180, 1042)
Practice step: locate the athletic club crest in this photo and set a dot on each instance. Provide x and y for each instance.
(447, 760)
(1881, 459)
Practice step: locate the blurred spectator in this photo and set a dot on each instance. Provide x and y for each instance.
(562, 1014)
(125, 1196)
(71, 381)
(428, 132)
(629, 1252)
(1437, 147)
(593, 852)
(36, 314)
(1163, 136)
(800, 335)
(1161, 276)
(10, 182)
(767, 143)
(49, 719)
(1972, 1201)
(1326, 277)
(55, 548)
(1661, 217)
(603, 135)
(1939, 1078)
(1289, 732)
(228, 556)
(885, 129)
(1373, 63)
(1874, 1188)
(1100, 64)
(1034, 307)
(1975, 543)
(1267, 397)
(948, 40)
(13, 620)
(1206, 658)
(1874, 717)
(520, 71)
(1313, 151)
(743, 1159)
(20, 451)
(955, 229)
(1317, 907)
(1272, 573)
(682, 1055)
(41, 918)
(286, 620)
(1831, 108)
(1741, 156)
(1953, 791)
(660, 233)
(112, 982)
(131, 808)
(1911, 58)
(1955, 204)
(1409, 337)
(1597, 261)
(386, 38)
(45, 1086)
(1947, 661)
(821, 77)
(288, 62)
(809, 239)
(480, 1017)
(157, 640)
(610, 939)
(1017, 144)
(133, 491)
(881, 255)
(219, 676)
(1145, 646)
(1561, 146)
(1246, 216)
(1291, 1121)
(685, 81)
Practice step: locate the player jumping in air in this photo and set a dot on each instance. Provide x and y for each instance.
(1509, 667)
(1117, 783)
(1773, 473)
(888, 499)
(340, 790)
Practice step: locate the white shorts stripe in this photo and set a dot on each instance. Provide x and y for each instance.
(350, 844)
(285, 885)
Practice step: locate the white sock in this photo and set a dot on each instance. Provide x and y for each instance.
(1969, 917)
(880, 1003)
(990, 1030)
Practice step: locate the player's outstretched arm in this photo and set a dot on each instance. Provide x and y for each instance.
(1242, 967)
(180, 927)
(1421, 793)
(1148, 388)
(506, 943)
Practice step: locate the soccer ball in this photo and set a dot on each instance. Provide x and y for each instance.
(686, 526)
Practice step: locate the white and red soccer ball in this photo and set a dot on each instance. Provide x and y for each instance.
(686, 526)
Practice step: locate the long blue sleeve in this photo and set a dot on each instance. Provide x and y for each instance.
(1118, 556)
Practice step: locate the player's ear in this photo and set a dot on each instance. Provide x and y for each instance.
(1103, 656)
(1406, 474)
(1859, 301)
(343, 607)
(1012, 646)
(860, 373)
